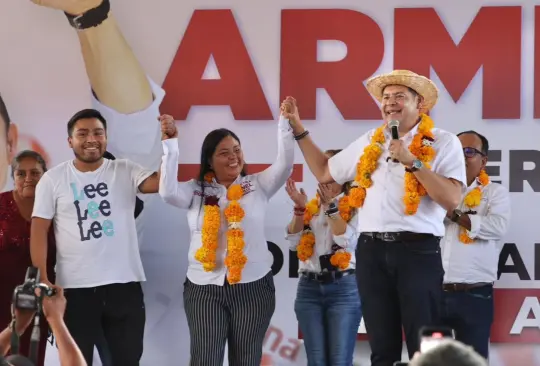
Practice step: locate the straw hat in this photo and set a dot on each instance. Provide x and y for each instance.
(422, 85)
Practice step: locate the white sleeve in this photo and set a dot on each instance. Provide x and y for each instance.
(170, 190)
(342, 166)
(138, 174)
(349, 238)
(293, 239)
(275, 176)
(45, 200)
(135, 136)
(450, 161)
(494, 225)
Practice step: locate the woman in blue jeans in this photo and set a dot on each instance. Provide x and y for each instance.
(323, 233)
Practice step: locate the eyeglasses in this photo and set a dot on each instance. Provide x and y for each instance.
(471, 152)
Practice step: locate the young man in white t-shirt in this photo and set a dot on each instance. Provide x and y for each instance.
(91, 201)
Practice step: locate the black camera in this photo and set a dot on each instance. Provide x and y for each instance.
(24, 296)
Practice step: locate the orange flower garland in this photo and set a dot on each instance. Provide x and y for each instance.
(206, 254)
(341, 258)
(234, 213)
(471, 200)
(421, 147)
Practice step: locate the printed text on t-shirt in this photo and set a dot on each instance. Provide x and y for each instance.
(85, 201)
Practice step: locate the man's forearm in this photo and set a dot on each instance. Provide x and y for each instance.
(38, 253)
(114, 72)
(68, 351)
(316, 160)
(337, 225)
(441, 189)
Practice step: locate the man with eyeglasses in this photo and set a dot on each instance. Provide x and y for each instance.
(471, 247)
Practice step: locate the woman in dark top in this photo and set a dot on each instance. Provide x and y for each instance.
(15, 216)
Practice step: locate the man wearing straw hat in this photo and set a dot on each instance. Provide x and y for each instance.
(402, 189)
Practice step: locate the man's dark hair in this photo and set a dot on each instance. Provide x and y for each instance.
(4, 113)
(450, 353)
(483, 139)
(139, 204)
(85, 114)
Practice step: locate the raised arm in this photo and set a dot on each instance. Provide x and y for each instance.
(172, 192)
(275, 176)
(316, 160)
(494, 224)
(122, 92)
(42, 215)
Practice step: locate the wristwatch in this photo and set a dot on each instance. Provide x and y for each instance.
(456, 215)
(91, 18)
(332, 210)
(416, 165)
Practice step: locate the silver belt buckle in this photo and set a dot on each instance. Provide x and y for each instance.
(388, 237)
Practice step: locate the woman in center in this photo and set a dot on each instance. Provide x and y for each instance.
(327, 306)
(229, 294)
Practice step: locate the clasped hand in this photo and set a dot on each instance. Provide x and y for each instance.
(401, 153)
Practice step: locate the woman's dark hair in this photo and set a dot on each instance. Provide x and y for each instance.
(27, 154)
(210, 143)
(347, 185)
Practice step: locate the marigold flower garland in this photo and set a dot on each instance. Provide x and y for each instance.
(234, 213)
(471, 200)
(421, 147)
(340, 258)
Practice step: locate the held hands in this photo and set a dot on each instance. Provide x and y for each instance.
(168, 127)
(289, 110)
(298, 197)
(73, 7)
(399, 152)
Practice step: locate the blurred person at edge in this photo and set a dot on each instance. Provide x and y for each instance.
(129, 100)
(402, 188)
(54, 308)
(8, 144)
(471, 247)
(16, 206)
(229, 294)
(324, 235)
(449, 353)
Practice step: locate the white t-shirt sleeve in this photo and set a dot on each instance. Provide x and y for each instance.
(342, 166)
(45, 200)
(450, 161)
(138, 174)
(135, 136)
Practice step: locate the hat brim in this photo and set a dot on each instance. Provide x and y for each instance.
(422, 85)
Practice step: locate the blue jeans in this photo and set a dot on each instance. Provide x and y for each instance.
(329, 316)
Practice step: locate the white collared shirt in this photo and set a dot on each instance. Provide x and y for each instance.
(478, 261)
(324, 239)
(384, 210)
(258, 189)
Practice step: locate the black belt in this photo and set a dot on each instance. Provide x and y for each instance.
(327, 277)
(399, 236)
(463, 287)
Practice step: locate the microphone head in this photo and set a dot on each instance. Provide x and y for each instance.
(393, 123)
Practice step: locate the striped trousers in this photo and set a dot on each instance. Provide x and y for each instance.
(238, 315)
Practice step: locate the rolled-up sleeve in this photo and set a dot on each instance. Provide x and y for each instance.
(293, 239)
(342, 166)
(349, 238)
(493, 225)
(450, 161)
(135, 136)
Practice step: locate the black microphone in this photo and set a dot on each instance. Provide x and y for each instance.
(394, 124)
